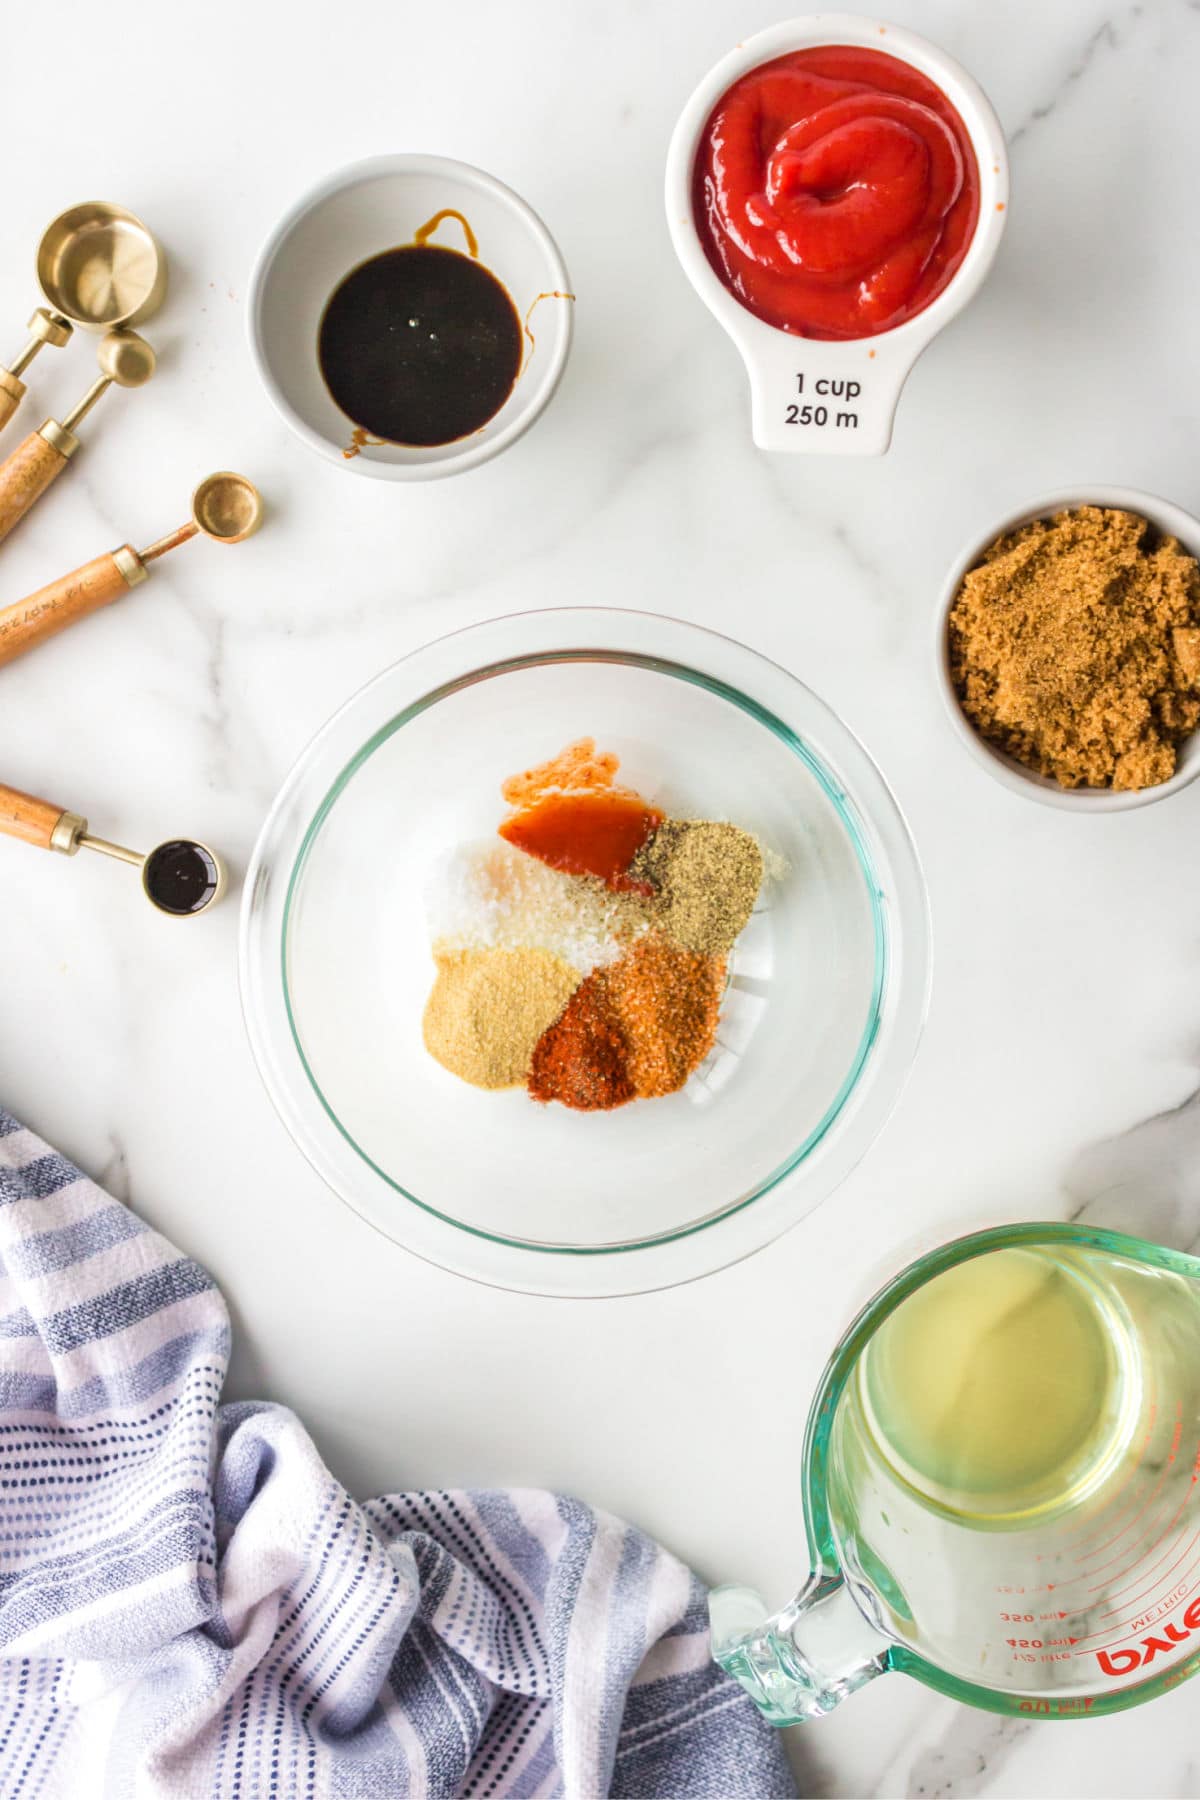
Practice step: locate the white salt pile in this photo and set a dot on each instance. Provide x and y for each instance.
(489, 894)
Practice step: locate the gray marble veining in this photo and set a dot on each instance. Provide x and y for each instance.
(1059, 1072)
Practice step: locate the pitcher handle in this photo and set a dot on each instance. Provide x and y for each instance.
(803, 1662)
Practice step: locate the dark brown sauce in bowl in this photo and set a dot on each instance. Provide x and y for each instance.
(420, 345)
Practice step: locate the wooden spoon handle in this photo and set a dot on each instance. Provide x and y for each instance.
(52, 608)
(11, 390)
(25, 476)
(33, 821)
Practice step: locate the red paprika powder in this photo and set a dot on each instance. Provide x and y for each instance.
(583, 1059)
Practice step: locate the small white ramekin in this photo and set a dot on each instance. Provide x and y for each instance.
(1173, 522)
(373, 206)
(872, 369)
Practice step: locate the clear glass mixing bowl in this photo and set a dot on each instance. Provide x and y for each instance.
(828, 984)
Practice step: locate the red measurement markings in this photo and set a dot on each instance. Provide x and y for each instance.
(1043, 1587)
(1053, 1647)
(1143, 1633)
(1149, 1543)
(1151, 1497)
(1177, 1596)
(1069, 1581)
(1149, 1500)
(1106, 1509)
(1048, 1587)
(1144, 1629)
(1158, 1580)
(1179, 1512)
(1043, 1707)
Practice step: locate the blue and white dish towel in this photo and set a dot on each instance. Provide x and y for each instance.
(191, 1605)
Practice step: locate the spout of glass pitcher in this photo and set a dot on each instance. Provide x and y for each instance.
(803, 1662)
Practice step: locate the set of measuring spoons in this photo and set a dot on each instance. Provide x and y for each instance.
(99, 268)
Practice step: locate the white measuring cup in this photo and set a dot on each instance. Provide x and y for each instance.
(817, 394)
(1001, 1487)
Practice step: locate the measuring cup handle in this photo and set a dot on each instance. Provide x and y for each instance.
(30, 621)
(807, 1659)
(32, 820)
(25, 476)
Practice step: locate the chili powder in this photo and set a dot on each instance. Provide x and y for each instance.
(635, 1030)
(583, 1059)
(668, 1003)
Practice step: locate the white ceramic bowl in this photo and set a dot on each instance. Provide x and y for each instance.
(356, 213)
(1171, 520)
(879, 365)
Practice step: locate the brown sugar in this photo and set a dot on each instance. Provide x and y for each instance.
(1075, 648)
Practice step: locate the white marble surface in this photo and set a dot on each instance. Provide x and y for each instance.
(1059, 1071)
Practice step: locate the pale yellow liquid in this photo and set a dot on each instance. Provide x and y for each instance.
(1002, 1387)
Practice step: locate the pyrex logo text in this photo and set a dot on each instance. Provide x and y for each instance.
(1126, 1660)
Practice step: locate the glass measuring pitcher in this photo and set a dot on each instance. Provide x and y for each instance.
(1001, 1487)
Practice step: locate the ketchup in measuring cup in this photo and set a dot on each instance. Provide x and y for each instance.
(835, 191)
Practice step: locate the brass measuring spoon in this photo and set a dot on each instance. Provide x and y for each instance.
(180, 877)
(126, 360)
(225, 507)
(97, 266)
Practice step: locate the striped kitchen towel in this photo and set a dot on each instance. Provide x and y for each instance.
(191, 1605)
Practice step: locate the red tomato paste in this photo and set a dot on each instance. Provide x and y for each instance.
(835, 191)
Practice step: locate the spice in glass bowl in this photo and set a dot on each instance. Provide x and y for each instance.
(582, 1059)
(587, 962)
(705, 876)
(668, 1003)
(488, 895)
(635, 1030)
(489, 1008)
(1074, 648)
(572, 814)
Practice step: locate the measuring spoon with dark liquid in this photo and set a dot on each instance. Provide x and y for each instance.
(421, 345)
(180, 877)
